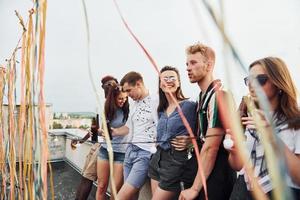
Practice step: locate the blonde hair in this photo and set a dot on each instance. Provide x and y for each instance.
(207, 52)
(279, 75)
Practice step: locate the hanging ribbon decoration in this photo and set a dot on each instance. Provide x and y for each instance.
(11, 76)
(280, 191)
(2, 141)
(273, 149)
(21, 122)
(184, 120)
(104, 125)
(8, 146)
(226, 39)
(227, 106)
(136, 39)
(41, 8)
(28, 130)
(31, 129)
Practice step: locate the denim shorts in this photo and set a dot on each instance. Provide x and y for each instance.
(136, 166)
(172, 168)
(118, 157)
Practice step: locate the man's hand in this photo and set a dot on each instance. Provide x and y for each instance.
(100, 132)
(103, 135)
(121, 131)
(74, 142)
(181, 142)
(188, 194)
(229, 141)
(114, 131)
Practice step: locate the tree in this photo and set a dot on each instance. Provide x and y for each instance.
(84, 126)
(69, 126)
(57, 125)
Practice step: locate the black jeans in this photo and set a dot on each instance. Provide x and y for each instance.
(221, 180)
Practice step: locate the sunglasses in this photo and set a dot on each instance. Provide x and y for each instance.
(118, 88)
(261, 79)
(169, 79)
(109, 83)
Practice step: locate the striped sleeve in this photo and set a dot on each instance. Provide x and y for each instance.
(213, 117)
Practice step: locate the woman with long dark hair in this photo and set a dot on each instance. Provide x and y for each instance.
(167, 165)
(89, 171)
(116, 111)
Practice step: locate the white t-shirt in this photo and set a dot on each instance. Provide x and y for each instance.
(142, 122)
(291, 138)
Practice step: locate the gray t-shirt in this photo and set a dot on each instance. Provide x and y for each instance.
(116, 123)
(291, 139)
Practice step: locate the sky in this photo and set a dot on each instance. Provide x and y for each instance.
(257, 28)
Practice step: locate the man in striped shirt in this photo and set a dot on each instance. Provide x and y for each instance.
(219, 176)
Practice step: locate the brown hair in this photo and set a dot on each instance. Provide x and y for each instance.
(131, 78)
(111, 107)
(106, 79)
(279, 75)
(207, 52)
(163, 102)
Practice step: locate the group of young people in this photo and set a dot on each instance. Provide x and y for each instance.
(150, 137)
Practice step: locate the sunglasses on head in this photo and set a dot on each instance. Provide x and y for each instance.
(169, 78)
(109, 84)
(261, 79)
(119, 88)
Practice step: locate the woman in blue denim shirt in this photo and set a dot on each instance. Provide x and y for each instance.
(167, 166)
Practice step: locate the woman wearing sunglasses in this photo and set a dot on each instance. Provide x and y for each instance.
(89, 171)
(116, 112)
(272, 75)
(167, 168)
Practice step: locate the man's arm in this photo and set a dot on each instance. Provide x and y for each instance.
(234, 160)
(208, 157)
(208, 154)
(123, 130)
(234, 157)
